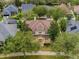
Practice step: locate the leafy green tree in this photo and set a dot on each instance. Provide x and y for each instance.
(62, 24)
(23, 26)
(67, 43)
(35, 2)
(44, 2)
(30, 15)
(1, 18)
(38, 2)
(21, 22)
(22, 42)
(18, 3)
(53, 31)
(7, 2)
(73, 2)
(1, 6)
(77, 17)
(18, 16)
(56, 13)
(27, 1)
(40, 10)
(52, 2)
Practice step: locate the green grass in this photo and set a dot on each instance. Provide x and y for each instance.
(1, 18)
(45, 48)
(37, 57)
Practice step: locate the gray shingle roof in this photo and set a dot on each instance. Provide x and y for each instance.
(7, 30)
(9, 9)
(73, 24)
(3, 32)
(26, 7)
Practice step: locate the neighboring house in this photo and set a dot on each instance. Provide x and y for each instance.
(10, 10)
(64, 7)
(3, 32)
(76, 9)
(72, 26)
(27, 7)
(40, 29)
(67, 8)
(7, 28)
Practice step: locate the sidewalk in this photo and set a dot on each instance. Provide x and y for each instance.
(33, 53)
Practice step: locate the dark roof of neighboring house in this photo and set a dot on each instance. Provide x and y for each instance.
(35, 24)
(64, 7)
(72, 26)
(26, 7)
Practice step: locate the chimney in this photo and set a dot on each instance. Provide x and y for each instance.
(35, 18)
(51, 18)
(5, 19)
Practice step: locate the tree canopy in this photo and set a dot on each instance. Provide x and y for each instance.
(56, 13)
(67, 43)
(53, 30)
(62, 22)
(30, 15)
(53, 2)
(40, 10)
(22, 42)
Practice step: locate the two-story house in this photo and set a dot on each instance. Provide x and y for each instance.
(8, 28)
(40, 29)
(10, 10)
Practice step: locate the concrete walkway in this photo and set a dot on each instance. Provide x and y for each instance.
(33, 53)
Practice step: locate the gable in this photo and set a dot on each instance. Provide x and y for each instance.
(39, 25)
(9, 9)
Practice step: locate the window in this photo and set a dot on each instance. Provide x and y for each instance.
(40, 32)
(73, 28)
(13, 13)
(40, 40)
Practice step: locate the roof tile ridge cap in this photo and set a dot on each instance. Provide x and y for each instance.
(34, 22)
(45, 21)
(44, 24)
(39, 21)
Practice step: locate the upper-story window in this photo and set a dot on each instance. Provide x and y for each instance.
(40, 31)
(13, 13)
(37, 32)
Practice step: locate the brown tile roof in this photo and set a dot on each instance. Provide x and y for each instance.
(64, 8)
(76, 9)
(35, 24)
